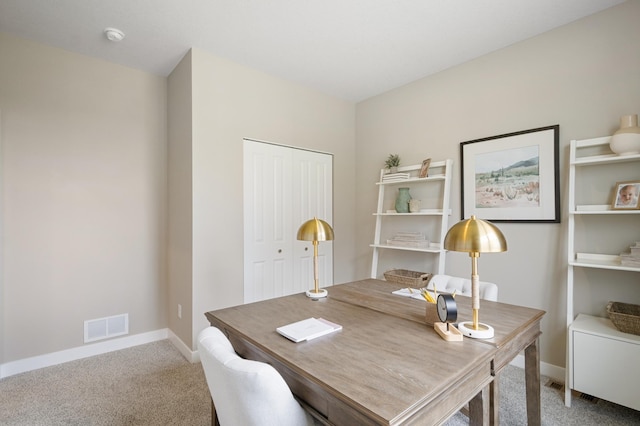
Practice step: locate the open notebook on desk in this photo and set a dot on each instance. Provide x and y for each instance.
(414, 293)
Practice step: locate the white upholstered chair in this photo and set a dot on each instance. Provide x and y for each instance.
(447, 283)
(245, 392)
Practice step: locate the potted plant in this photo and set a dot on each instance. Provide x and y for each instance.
(392, 163)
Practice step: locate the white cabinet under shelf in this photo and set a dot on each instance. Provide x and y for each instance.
(605, 361)
(596, 350)
(431, 220)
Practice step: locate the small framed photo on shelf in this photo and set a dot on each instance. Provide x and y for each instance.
(424, 170)
(625, 195)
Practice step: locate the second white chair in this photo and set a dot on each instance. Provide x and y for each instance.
(447, 284)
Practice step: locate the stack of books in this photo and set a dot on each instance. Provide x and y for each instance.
(631, 258)
(409, 239)
(395, 177)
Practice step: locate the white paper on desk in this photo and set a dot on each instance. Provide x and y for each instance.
(414, 293)
(308, 329)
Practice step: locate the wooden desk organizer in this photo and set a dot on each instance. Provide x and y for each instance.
(452, 334)
(431, 316)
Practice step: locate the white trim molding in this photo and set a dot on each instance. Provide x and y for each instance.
(552, 371)
(55, 358)
(190, 355)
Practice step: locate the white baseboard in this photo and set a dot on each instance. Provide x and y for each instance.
(55, 358)
(552, 371)
(191, 356)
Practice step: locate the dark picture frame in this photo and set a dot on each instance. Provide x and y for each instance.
(512, 177)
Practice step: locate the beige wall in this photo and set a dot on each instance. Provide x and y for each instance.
(88, 188)
(2, 318)
(231, 102)
(180, 231)
(582, 76)
(84, 173)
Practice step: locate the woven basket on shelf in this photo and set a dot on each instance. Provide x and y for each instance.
(409, 278)
(625, 316)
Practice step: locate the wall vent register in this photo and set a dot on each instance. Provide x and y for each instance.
(104, 328)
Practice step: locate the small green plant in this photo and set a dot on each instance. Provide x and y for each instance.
(392, 161)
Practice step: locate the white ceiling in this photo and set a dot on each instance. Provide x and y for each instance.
(352, 49)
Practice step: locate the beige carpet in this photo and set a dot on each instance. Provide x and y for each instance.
(153, 384)
(583, 411)
(150, 384)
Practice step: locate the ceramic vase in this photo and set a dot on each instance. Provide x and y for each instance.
(402, 200)
(626, 140)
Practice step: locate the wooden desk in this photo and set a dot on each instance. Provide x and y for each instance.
(386, 366)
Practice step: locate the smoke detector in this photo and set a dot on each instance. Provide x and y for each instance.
(113, 34)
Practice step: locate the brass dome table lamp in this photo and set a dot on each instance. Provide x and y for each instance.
(475, 236)
(315, 230)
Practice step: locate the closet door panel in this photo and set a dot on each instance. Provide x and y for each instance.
(312, 197)
(267, 208)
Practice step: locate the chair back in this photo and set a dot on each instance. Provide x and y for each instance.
(245, 392)
(447, 283)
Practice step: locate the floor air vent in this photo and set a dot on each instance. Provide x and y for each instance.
(583, 396)
(555, 385)
(104, 328)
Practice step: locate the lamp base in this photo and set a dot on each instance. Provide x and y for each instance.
(484, 331)
(321, 293)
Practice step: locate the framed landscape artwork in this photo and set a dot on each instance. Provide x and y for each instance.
(512, 177)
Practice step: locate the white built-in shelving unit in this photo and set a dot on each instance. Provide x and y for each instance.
(600, 359)
(433, 192)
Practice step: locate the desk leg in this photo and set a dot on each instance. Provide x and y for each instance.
(214, 415)
(532, 378)
(494, 401)
(479, 408)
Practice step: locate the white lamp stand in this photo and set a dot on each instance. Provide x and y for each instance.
(320, 294)
(484, 331)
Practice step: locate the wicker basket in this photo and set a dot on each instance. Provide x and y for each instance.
(625, 316)
(409, 278)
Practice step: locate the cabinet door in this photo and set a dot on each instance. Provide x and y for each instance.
(606, 368)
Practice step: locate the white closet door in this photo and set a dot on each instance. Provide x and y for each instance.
(312, 197)
(267, 221)
(283, 187)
